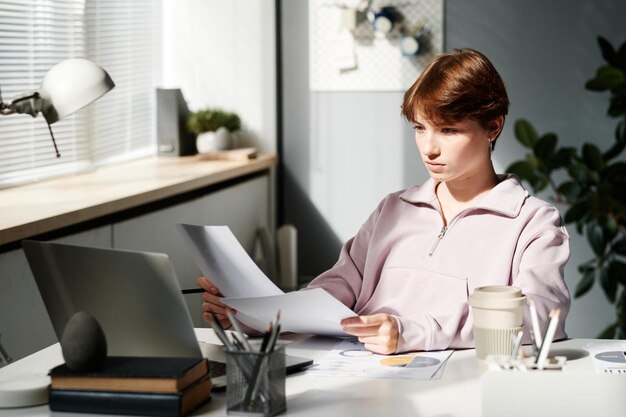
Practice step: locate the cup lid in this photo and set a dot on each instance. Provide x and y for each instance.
(497, 297)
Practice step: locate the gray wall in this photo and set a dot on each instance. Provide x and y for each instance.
(343, 151)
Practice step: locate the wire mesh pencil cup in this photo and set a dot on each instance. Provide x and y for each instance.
(255, 382)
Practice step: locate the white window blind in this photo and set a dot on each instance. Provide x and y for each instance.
(124, 37)
(121, 36)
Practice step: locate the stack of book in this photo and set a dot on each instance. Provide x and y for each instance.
(167, 387)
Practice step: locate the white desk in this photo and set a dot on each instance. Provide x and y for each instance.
(457, 393)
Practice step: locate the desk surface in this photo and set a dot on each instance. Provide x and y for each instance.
(48, 205)
(457, 393)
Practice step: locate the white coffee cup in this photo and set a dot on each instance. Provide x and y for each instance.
(498, 314)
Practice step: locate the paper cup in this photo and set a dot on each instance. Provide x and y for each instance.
(498, 313)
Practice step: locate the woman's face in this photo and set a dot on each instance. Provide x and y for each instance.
(456, 151)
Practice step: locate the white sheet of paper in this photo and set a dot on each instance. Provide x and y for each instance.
(350, 358)
(221, 258)
(345, 55)
(309, 311)
(608, 357)
(255, 297)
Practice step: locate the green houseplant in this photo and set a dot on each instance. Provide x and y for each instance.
(592, 184)
(213, 128)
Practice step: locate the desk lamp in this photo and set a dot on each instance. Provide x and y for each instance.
(66, 88)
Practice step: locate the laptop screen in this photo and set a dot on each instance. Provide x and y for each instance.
(135, 296)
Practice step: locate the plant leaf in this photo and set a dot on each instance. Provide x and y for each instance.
(620, 59)
(609, 284)
(614, 151)
(523, 169)
(617, 271)
(525, 133)
(577, 211)
(592, 157)
(585, 283)
(616, 171)
(570, 189)
(587, 266)
(609, 332)
(564, 156)
(544, 148)
(620, 132)
(608, 52)
(578, 172)
(610, 228)
(617, 106)
(606, 78)
(619, 247)
(595, 237)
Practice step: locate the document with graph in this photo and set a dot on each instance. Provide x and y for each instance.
(350, 358)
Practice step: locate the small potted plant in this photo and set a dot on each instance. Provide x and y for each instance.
(213, 128)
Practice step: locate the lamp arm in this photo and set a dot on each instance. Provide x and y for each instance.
(30, 103)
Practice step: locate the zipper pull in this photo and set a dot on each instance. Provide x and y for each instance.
(440, 236)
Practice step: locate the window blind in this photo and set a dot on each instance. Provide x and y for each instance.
(124, 37)
(121, 36)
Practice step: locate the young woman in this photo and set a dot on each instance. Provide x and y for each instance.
(409, 270)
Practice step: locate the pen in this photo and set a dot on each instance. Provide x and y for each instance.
(516, 345)
(244, 365)
(257, 366)
(547, 339)
(221, 334)
(235, 324)
(535, 323)
(262, 362)
(193, 291)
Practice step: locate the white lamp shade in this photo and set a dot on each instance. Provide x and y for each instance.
(71, 85)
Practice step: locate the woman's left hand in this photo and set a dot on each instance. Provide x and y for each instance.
(379, 332)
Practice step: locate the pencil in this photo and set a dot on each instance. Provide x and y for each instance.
(547, 339)
(517, 342)
(535, 323)
(193, 290)
(235, 324)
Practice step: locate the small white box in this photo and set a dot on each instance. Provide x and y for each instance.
(552, 393)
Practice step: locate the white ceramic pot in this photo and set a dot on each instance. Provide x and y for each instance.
(214, 141)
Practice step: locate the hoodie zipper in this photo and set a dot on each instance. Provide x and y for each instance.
(437, 241)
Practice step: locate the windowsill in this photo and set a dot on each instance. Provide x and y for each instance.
(50, 205)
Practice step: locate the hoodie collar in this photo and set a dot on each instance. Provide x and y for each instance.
(506, 198)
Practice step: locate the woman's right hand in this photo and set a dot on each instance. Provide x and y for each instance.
(212, 304)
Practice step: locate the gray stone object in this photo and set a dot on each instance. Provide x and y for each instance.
(83, 344)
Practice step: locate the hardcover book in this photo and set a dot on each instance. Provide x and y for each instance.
(133, 374)
(132, 403)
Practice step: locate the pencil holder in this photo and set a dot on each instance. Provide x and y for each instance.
(255, 382)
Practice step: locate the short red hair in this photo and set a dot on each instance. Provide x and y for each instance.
(455, 86)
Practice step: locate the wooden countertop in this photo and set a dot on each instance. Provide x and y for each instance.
(45, 206)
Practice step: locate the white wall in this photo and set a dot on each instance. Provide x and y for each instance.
(222, 53)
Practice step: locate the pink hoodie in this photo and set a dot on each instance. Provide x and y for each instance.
(404, 262)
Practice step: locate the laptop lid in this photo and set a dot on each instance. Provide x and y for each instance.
(135, 296)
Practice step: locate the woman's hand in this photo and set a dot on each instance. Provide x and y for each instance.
(379, 332)
(212, 304)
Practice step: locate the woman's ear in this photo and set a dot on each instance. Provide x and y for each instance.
(494, 128)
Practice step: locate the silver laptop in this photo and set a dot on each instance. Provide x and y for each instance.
(135, 296)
